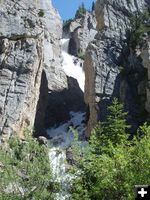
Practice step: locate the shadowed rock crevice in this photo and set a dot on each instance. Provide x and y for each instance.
(72, 49)
(60, 103)
(132, 94)
(41, 107)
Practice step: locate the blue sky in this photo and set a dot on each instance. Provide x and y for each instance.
(67, 8)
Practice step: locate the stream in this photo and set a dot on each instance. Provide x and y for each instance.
(61, 137)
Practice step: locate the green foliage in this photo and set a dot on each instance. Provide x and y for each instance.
(25, 168)
(81, 10)
(81, 54)
(140, 24)
(111, 164)
(67, 23)
(129, 1)
(93, 6)
(41, 13)
(121, 68)
(113, 130)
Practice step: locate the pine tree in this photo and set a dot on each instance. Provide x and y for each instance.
(113, 129)
(111, 165)
(93, 6)
(115, 126)
(81, 10)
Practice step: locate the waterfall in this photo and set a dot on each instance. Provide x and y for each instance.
(65, 44)
(72, 65)
(60, 137)
(61, 140)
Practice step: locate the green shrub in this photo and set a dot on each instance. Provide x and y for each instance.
(25, 167)
(41, 13)
(111, 165)
(81, 54)
(129, 1)
(140, 24)
(67, 23)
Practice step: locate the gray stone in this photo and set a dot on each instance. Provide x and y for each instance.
(63, 102)
(81, 31)
(145, 54)
(30, 33)
(42, 140)
(104, 56)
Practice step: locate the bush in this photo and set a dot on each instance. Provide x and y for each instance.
(41, 13)
(24, 170)
(81, 54)
(111, 165)
(67, 23)
(140, 24)
(129, 1)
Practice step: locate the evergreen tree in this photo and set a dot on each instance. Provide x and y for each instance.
(111, 165)
(140, 23)
(93, 6)
(81, 10)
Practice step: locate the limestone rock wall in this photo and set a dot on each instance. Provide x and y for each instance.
(52, 22)
(30, 33)
(81, 31)
(105, 57)
(145, 54)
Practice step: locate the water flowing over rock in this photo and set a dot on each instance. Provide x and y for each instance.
(61, 139)
(81, 31)
(49, 72)
(106, 55)
(29, 47)
(61, 103)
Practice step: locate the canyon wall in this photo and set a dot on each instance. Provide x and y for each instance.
(34, 90)
(145, 54)
(112, 67)
(30, 33)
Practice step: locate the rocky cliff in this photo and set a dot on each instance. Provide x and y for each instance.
(81, 30)
(35, 91)
(145, 54)
(112, 67)
(30, 61)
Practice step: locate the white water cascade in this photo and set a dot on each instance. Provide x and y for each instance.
(72, 65)
(61, 137)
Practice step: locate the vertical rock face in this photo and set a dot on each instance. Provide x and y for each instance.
(53, 76)
(145, 54)
(107, 54)
(29, 45)
(81, 31)
(52, 47)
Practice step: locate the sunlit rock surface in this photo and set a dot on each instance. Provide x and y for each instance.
(30, 33)
(106, 55)
(81, 31)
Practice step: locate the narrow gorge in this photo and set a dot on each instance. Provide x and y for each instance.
(58, 78)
